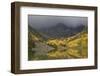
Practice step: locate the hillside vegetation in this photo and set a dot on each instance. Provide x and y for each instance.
(72, 47)
(57, 48)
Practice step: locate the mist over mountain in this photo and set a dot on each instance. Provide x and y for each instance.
(42, 21)
(60, 30)
(57, 26)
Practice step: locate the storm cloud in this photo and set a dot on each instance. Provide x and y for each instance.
(41, 21)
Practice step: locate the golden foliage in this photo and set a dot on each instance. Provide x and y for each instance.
(76, 47)
(33, 37)
(68, 48)
(56, 42)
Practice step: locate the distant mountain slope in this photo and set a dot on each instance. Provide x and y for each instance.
(33, 31)
(61, 30)
(35, 34)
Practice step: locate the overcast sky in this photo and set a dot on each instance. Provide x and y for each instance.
(40, 21)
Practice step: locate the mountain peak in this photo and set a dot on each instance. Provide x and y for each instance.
(61, 25)
(61, 30)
